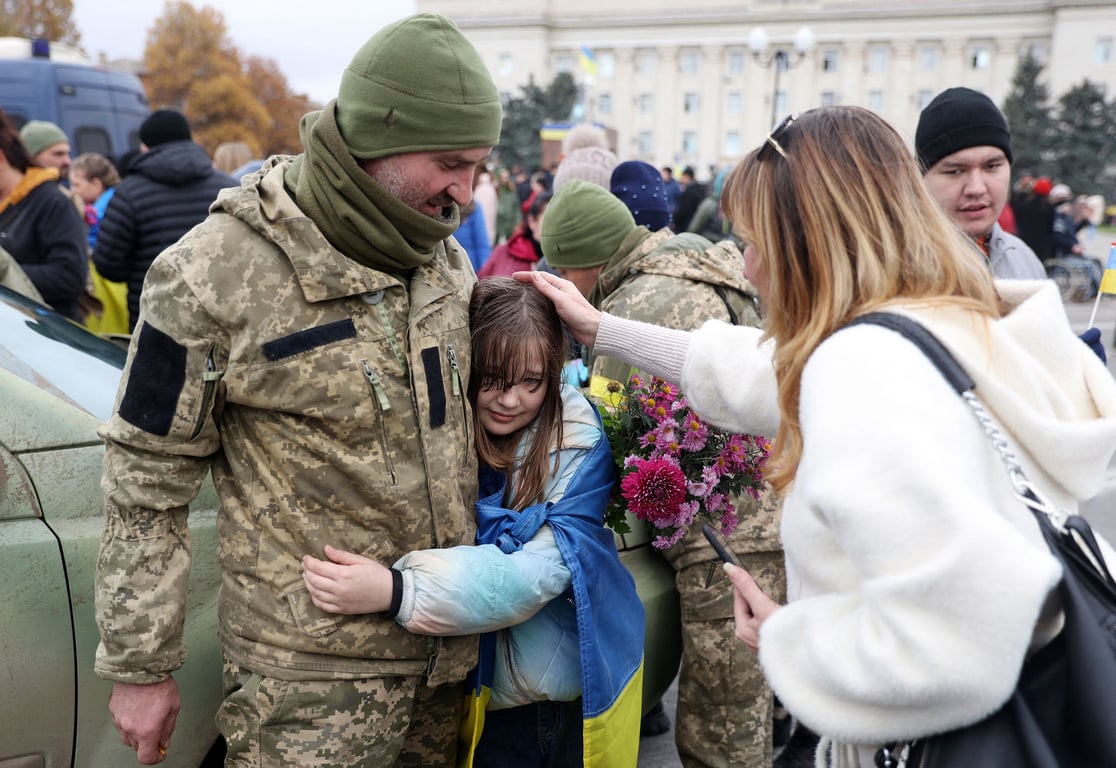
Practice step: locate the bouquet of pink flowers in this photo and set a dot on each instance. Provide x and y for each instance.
(674, 466)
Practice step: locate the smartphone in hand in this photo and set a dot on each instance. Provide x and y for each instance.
(721, 545)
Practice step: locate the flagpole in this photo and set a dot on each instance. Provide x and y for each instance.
(1096, 304)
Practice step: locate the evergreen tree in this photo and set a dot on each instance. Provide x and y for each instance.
(1028, 116)
(1085, 140)
(524, 117)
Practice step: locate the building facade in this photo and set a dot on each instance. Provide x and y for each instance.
(680, 84)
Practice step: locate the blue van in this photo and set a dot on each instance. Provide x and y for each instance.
(99, 108)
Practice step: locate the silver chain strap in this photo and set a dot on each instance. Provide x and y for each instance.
(1023, 488)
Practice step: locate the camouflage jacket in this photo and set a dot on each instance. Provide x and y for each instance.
(328, 401)
(681, 281)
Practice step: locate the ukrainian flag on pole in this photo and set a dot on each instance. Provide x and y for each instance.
(1108, 281)
(588, 63)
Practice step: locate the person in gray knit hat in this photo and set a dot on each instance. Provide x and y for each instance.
(302, 345)
(964, 148)
(47, 145)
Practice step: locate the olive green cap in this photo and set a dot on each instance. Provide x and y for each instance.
(584, 226)
(417, 85)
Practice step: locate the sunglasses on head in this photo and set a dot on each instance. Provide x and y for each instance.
(773, 139)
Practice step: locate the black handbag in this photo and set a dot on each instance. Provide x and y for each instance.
(1062, 713)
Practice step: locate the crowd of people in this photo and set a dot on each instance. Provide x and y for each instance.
(381, 350)
(88, 260)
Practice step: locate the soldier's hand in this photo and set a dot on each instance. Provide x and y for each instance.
(750, 606)
(145, 715)
(347, 583)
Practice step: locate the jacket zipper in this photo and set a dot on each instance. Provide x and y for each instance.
(383, 405)
(210, 377)
(457, 392)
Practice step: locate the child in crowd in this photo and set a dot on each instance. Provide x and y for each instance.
(93, 177)
(563, 653)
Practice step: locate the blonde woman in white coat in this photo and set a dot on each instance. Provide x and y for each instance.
(917, 584)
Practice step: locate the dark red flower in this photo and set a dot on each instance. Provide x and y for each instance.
(655, 490)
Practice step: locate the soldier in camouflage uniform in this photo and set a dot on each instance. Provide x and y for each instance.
(681, 281)
(308, 345)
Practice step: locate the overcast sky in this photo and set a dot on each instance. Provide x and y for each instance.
(311, 41)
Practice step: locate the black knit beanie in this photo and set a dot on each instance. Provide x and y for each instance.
(164, 125)
(959, 118)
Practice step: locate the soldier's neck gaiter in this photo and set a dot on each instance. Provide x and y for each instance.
(358, 216)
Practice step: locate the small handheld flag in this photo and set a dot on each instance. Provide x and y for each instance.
(1108, 281)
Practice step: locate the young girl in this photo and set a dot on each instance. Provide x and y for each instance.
(94, 178)
(563, 656)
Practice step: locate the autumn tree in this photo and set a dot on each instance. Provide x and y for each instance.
(186, 47)
(223, 108)
(284, 108)
(48, 19)
(194, 67)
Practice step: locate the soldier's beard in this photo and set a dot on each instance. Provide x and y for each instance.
(389, 175)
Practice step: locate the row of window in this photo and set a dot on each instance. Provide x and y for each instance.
(734, 102)
(877, 59)
(731, 147)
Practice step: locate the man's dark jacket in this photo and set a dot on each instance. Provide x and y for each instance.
(167, 191)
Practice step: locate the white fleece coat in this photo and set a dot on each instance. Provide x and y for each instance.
(915, 579)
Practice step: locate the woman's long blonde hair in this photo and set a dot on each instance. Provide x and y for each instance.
(843, 224)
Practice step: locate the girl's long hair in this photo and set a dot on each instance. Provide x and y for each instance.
(843, 224)
(514, 329)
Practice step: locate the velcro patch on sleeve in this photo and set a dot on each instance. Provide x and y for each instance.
(303, 341)
(155, 382)
(436, 390)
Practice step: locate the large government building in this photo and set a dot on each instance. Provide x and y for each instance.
(700, 82)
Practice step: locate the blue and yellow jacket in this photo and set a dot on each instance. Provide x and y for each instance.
(548, 586)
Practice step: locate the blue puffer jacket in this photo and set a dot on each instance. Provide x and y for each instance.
(167, 191)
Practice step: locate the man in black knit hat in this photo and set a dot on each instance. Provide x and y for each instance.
(168, 190)
(964, 148)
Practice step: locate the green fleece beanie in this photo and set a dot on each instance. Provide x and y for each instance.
(38, 135)
(584, 225)
(416, 86)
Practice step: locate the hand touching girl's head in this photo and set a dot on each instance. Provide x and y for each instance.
(519, 348)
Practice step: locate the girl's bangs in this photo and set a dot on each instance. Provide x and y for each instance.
(519, 357)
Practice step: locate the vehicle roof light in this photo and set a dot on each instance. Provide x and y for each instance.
(40, 48)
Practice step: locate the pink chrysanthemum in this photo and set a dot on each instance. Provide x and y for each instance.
(666, 542)
(716, 502)
(663, 440)
(669, 392)
(654, 491)
(695, 432)
(735, 453)
(729, 520)
(674, 466)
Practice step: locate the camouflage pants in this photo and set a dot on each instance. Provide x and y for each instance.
(369, 723)
(724, 704)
